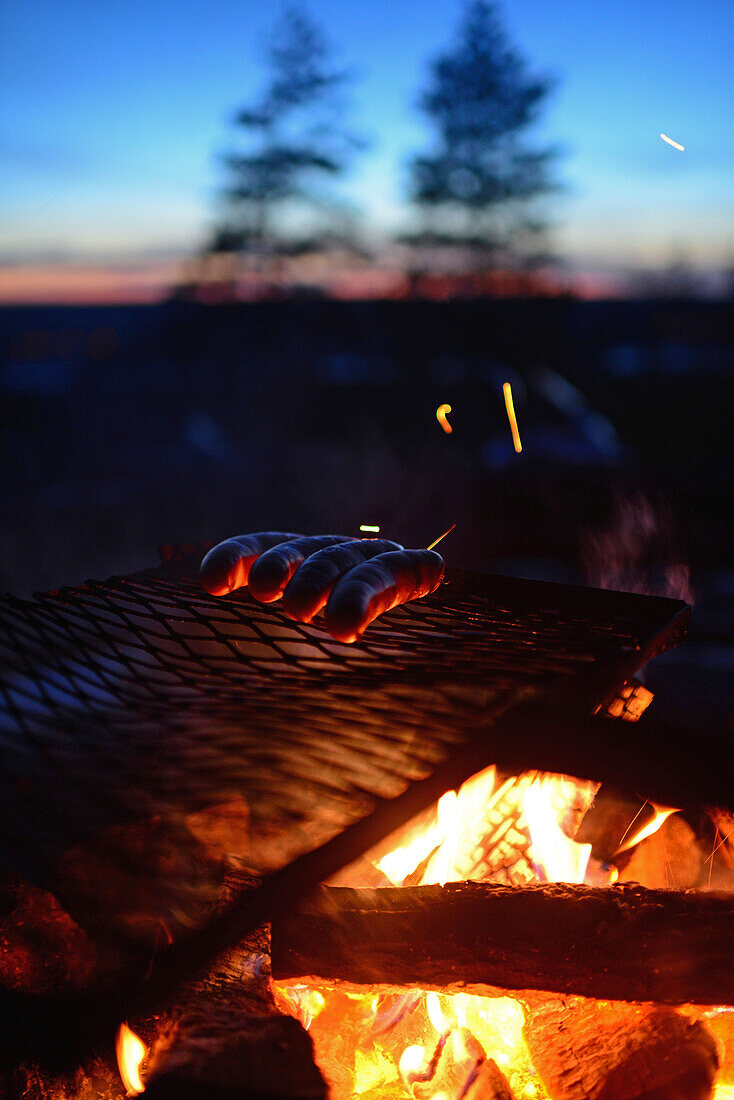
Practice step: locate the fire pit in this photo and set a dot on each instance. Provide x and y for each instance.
(180, 768)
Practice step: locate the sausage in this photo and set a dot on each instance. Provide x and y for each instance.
(377, 585)
(227, 565)
(273, 569)
(310, 586)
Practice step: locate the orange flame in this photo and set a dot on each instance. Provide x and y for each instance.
(437, 1016)
(130, 1052)
(660, 815)
(398, 863)
(441, 413)
(510, 406)
(560, 858)
(513, 829)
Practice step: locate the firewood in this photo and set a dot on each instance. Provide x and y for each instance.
(212, 1047)
(588, 1050)
(619, 942)
(224, 1033)
(146, 882)
(44, 952)
(227, 1033)
(669, 859)
(463, 1069)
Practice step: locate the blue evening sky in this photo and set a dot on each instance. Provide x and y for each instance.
(115, 112)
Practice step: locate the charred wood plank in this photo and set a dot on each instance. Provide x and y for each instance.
(619, 943)
(669, 763)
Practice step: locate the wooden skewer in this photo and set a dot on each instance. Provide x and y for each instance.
(443, 536)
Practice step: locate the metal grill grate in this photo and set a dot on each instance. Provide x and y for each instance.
(145, 698)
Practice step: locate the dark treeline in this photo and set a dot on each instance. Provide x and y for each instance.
(473, 192)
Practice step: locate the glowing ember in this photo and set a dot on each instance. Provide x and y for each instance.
(367, 527)
(443, 536)
(308, 1001)
(661, 814)
(675, 144)
(441, 413)
(130, 1052)
(412, 1063)
(510, 406)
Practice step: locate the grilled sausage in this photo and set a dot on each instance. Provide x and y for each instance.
(227, 565)
(310, 586)
(273, 569)
(378, 585)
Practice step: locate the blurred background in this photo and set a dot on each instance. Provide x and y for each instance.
(247, 252)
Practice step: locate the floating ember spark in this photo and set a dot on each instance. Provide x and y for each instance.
(367, 527)
(443, 536)
(130, 1052)
(441, 413)
(661, 813)
(675, 144)
(509, 405)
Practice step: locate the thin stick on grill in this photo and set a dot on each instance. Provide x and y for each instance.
(443, 536)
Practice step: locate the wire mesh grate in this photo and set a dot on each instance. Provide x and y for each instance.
(143, 698)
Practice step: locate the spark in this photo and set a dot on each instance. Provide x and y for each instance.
(367, 527)
(660, 814)
(509, 405)
(721, 842)
(441, 413)
(675, 144)
(443, 536)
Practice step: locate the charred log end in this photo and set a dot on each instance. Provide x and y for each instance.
(207, 1051)
(615, 1051)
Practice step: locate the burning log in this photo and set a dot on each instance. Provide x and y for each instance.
(620, 942)
(584, 1050)
(213, 1047)
(224, 1033)
(228, 1034)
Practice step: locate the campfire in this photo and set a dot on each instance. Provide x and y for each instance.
(461, 1034)
(489, 925)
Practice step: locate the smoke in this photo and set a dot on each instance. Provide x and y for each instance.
(635, 551)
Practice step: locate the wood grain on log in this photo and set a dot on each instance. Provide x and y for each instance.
(227, 1034)
(584, 1050)
(619, 942)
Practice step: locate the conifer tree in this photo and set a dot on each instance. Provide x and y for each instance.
(277, 201)
(476, 186)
